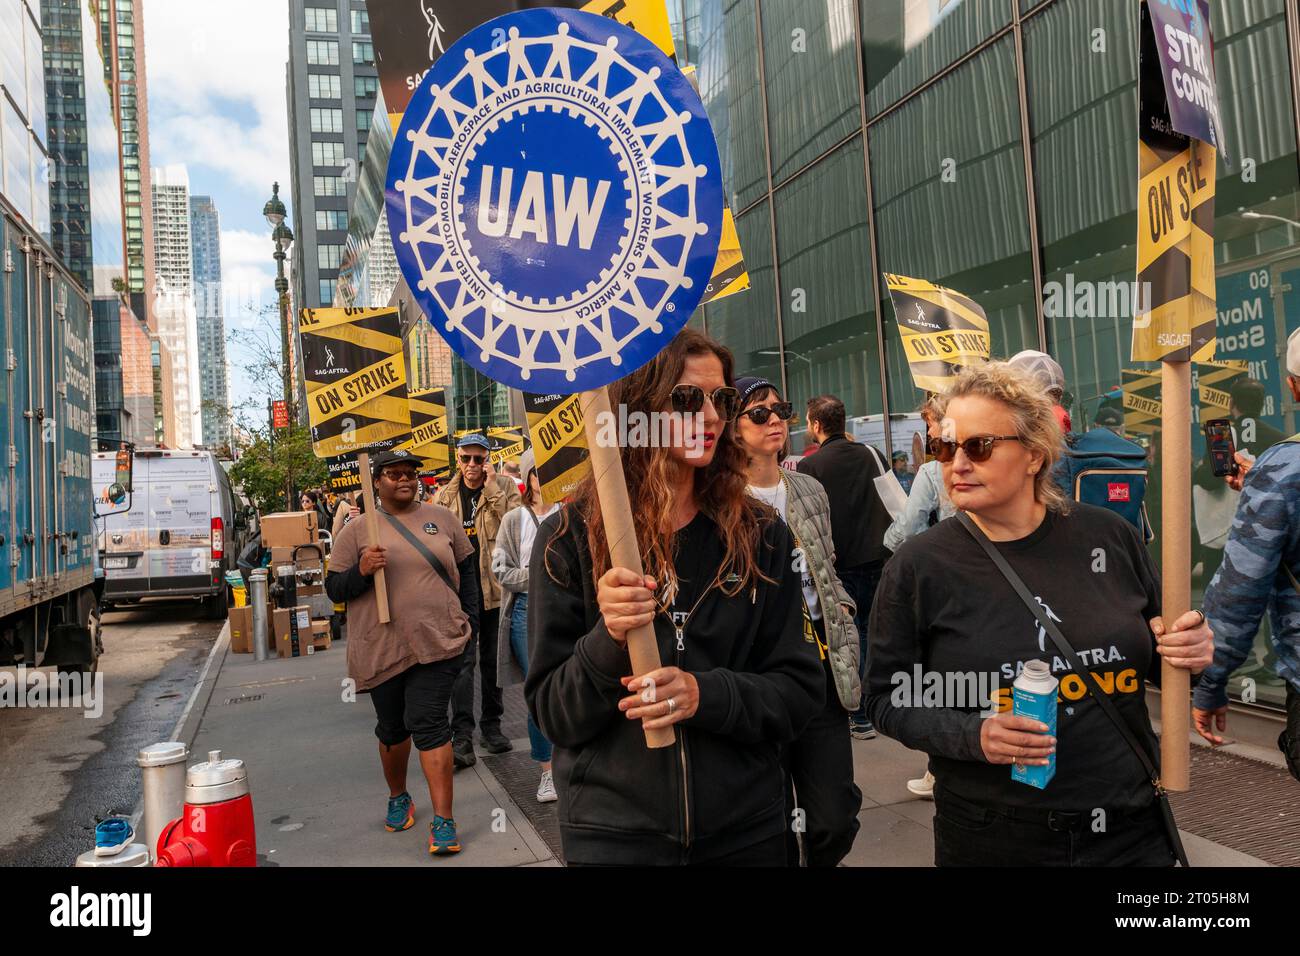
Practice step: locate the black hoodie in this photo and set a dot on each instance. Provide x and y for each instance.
(719, 789)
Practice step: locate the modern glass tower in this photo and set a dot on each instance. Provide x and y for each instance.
(85, 188)
(332, 86)
(205, 240)
(174, 301)
(24, 149)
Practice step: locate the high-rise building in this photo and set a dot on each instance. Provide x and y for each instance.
(174, 302)
(121, 36)
(24, 166)
(205, 239)
(332, 87)
(87, 228)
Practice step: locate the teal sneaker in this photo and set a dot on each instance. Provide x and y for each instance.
(401, 813)
(442, 836)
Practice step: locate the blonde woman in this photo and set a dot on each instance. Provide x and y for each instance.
(945, 608)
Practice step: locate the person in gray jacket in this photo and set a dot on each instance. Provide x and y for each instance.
(819, 763)
(510, 556)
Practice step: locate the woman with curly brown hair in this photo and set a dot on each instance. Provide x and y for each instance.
(737, 680)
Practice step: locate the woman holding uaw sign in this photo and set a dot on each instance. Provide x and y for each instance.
(556, 207)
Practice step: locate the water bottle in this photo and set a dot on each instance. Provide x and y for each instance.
(1033, 695)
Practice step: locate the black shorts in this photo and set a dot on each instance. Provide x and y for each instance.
(414, 704)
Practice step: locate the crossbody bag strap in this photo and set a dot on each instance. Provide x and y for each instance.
(420, 546)
(1295, 585)
(1064, 647)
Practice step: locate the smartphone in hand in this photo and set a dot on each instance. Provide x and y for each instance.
(1222, 449)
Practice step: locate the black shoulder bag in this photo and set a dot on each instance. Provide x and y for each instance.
(420, 546)
(1081, 668)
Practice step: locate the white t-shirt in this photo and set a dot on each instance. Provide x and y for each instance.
(777, 497)
(528, 531)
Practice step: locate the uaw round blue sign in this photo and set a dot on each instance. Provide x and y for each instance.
(555, 199)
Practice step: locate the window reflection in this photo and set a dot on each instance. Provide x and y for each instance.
(827, 305)
(746, 323)
(951, 206)
(906, 42)
(812, 77)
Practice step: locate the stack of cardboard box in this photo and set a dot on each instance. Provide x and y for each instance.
(292, 631)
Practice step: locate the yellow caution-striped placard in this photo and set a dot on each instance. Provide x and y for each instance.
(1176, 315)
(1177, 312)
(942, 330)
(556, 427)
(429, 436)
(1142, 407)
(354, 369)
(647, 17)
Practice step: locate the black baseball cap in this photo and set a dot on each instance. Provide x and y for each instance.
(747, 385)
(392, 457)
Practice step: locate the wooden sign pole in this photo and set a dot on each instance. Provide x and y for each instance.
(620, 533)
(372, 531)
(1176, 566)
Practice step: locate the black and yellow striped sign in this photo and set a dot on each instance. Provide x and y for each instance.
(505, 444)
(559, 443)
(1176, 313)
(354, 366)
(729, 273)
(647, 17)
(429, 436)
(942, 330)
(344, 473)
(1214, 381)
(1142, 406)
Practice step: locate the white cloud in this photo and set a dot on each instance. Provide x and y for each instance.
(206, 60)
(248, 285)
(247, 272)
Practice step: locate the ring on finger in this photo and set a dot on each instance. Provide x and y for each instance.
(672, 705)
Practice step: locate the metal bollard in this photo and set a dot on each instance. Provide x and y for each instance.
(257, 595)
(162, 772)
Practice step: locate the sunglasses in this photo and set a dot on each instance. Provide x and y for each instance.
(977, 449)
(400, 475)
(472, 459)
(689, 400)
(760, 415)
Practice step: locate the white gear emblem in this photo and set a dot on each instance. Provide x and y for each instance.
(546, 324)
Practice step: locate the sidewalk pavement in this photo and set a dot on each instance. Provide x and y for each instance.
(313, 767)
(319, 796)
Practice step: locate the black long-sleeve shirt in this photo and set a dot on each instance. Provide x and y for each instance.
(759, 685)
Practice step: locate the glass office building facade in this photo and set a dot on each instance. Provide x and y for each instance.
(989, 146)
(24, 148)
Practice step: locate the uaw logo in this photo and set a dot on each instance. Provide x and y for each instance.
(555, 200)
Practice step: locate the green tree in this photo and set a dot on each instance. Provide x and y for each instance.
(264, 471)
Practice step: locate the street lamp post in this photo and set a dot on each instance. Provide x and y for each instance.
(282, 237)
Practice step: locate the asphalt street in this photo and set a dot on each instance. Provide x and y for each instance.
(63, 770)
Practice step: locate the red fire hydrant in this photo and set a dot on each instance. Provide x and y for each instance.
(216, 827)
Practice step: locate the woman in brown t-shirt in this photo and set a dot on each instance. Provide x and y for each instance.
(408, 665)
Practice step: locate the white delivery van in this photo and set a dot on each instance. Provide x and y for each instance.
(183, 530)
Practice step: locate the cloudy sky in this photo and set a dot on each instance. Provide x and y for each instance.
(216, 75)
